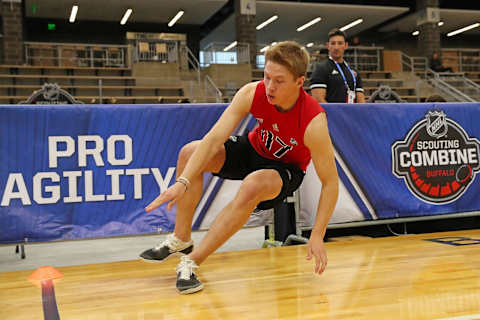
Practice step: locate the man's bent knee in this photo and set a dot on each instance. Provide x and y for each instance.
(214, 165)
(186, 152)
(259, 186)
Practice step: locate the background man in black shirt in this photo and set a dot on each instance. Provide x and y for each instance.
(333, 80)
(436, 64)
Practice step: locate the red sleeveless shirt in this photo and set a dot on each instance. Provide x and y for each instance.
(279, 135)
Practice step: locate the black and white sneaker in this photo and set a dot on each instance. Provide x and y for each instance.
(187, 281)
(169, 247)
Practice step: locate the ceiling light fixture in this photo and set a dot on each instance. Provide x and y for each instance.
(472, 26)
(230, 46)
(308, 24)
(263, 24)
(415, 33)
(175, 19)
(264, 49)
(440, 23)
(351, 25)
(126, 16)
(73, 14)
(310, 44)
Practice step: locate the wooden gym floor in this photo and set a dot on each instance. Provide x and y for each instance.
(406, 277)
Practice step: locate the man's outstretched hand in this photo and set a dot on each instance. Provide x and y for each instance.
(316, 249)
(171, 195)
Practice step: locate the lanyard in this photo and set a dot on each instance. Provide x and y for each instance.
(343, 75)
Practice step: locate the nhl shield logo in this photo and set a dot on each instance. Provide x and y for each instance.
(51, 91)
(436, 124)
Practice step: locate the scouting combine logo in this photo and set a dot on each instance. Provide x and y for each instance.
(437, 159)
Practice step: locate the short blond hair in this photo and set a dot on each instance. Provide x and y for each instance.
(291, 55)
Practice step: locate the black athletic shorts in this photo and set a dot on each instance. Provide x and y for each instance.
(242, 159)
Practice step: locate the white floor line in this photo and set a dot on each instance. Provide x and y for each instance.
(465, 317)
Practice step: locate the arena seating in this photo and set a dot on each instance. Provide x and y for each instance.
(89, 85)
(474, 76)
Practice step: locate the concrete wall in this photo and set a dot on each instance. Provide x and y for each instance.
(231, 74)
(156, 73)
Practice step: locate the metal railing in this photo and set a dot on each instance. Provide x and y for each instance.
(167, 51)
(190, 61)
(444, 83)
(470, 91)
(471, 88)
(76, 55)
(211, 89)
(462, 59)
(215, 53)
(164, 51)
(413, 64)
(453, 86)
(361, 58)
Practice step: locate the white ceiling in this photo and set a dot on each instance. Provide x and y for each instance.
(154, 11)
(292, 15)
(453, 18)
